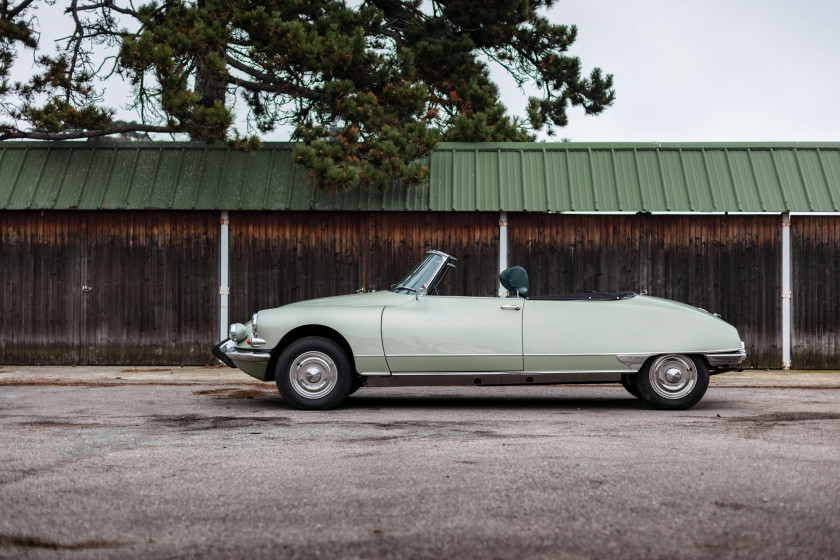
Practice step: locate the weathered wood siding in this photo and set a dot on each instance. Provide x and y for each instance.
(40, 287)
(815, 287)
(153, 279)
(283, 257)
(154, 275)
(399, 239)
(727, 264)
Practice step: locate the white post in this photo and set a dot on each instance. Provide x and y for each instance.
(224, 279)
(786, 291)
(503, 247)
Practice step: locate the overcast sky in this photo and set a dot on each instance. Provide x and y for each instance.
(713, 70)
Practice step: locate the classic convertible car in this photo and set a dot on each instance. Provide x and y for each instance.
(320, 351)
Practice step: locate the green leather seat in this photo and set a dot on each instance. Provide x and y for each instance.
(515, 281)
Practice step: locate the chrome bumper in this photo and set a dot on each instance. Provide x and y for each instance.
(227, 351)
(726, 358)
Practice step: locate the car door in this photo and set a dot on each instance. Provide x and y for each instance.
(453, 334)
(577, 336)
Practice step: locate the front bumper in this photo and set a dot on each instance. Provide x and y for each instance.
(726, 358)
(227, 352)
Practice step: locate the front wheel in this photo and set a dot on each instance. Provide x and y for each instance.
(314, 373)
(673, 381)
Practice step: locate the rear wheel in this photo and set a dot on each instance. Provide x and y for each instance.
(673, 381)
(629, 382)
(314, 373)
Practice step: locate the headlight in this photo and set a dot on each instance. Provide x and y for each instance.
(237, 332)
(254, 325)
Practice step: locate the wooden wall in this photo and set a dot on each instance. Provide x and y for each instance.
(815, 287)
(399, 240)
(40, 288)
(727, 264)
(282, 257)
(154, 276)
(153, 287)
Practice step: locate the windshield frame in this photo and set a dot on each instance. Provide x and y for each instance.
(420, 274)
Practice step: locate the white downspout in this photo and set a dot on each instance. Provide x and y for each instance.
(503, 248)
(224, 279)
(786, 291)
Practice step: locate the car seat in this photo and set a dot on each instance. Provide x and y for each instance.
(515, 281)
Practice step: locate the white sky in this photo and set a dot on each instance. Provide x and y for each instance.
(708, 70)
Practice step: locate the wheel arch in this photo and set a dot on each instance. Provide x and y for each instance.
(695, 356)
(303, 332)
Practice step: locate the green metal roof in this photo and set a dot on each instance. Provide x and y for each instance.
(173, 175)
(536, 177)
(560, 177)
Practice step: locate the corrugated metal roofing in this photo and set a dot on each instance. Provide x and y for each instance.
(173, 175)
(563, 177)
(536, 177)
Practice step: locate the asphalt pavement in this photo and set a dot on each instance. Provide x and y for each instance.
(208, 463)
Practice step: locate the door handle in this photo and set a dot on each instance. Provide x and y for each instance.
(511, 307)
(87, 288)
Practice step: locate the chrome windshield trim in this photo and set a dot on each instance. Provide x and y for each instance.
(441, 253)
(424, 288)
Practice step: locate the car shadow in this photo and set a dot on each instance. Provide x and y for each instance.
(430, 399)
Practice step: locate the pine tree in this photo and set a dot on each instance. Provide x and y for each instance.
(369, 87)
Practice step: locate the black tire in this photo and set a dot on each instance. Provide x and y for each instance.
(357, 384)
(314, 373)
(628, 381)
(673, 381)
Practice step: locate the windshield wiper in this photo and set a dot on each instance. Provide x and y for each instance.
(402, 287)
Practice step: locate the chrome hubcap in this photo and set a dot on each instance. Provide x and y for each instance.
(313, 375)
(673, 376)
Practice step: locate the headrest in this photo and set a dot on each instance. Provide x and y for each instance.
(515, 280)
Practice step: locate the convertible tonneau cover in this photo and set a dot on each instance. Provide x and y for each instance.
(597, 296)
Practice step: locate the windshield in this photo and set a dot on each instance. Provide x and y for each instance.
(422, 274)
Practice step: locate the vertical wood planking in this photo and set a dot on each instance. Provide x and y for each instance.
(284, 257)
(40, 287)
(155, 281)
(815, 286)
(400, 239)
(154, 274)
(726, 264)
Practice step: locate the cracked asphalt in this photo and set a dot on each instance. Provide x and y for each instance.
(204, 467)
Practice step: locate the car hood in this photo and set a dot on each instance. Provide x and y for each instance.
(369, 299)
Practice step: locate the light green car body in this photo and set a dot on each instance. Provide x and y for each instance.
(419, 339)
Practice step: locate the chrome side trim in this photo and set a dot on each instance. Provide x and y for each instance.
(720, 358)
(375, 373)
(648, 354)
(454, 355)
(485, 373)
(633, 361)
(491, 378)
